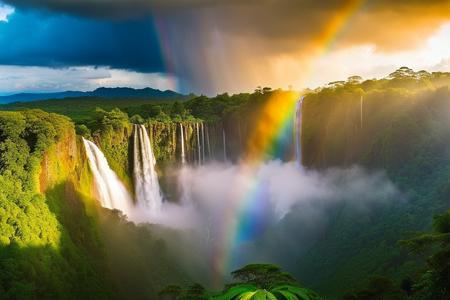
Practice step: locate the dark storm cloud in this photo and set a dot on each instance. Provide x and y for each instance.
(267, 19)
(139, 7)
(32, 38)
(112, 8)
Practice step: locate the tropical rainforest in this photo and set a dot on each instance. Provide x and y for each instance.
(58, 242)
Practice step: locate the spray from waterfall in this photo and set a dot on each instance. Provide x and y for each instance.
(111, 191)
(183, 155)
(298, 132)
(148, 193)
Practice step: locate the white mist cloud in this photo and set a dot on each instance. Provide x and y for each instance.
(286, 204)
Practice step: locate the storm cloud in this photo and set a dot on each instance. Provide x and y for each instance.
(280, 20)
(234, 46)
(41, 39)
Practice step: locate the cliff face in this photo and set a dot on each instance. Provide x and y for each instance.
(205, 141)
(385, 129)
(202, 141)
(59, 161)
(65, 176)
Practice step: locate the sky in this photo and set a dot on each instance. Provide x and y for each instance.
(215, 46)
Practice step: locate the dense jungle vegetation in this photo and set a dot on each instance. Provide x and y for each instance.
(57, 243)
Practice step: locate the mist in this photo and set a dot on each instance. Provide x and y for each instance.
(230, 215)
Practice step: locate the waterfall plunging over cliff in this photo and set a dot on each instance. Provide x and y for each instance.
(298, 131)
(112, 192)
(146, 182)
(203, 143)
(183, 154)
(197, 129)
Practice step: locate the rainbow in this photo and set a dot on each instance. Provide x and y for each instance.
(266, 141)
(241, 222)
(337, 25)
(332, 31)
(244, 220)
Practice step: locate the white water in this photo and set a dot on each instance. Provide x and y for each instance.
(225, 158)
(148, 193)
(111, 191)
(203, 143)
(298, 131)
(183, 156)
(198, 144)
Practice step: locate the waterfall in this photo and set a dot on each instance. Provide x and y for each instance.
(183, 155)
(224, 138)
(203, 142)
(112, 192)
(146, 182)
(298, 131)
(198, 144)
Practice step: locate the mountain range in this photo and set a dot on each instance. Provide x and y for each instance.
(119, 92)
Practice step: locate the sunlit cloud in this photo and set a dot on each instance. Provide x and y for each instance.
(369, 61)
(247, 68)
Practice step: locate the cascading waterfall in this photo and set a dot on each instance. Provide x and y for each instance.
(198, 144)
(112, 192)
(183, 155)
(148, 193)
(203, 143)
(298, 131)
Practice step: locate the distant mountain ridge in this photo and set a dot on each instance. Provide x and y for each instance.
(118, 92)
